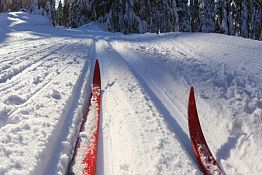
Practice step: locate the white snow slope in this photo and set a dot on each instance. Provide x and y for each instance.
(45, 80)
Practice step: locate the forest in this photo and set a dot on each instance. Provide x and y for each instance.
(230, 17)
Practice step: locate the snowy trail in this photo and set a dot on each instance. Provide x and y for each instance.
(55, 78)
(28, 47)
(174, 112)
(34, 80)
(26, 61)
(150, 143)
(45, 80)
(68, 130)
(219, 52)
(176, 67)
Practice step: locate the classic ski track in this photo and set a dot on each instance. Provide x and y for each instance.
(37, 91)
(24, 49)
(172, 101)
(147, 99)
(11, 40)
(32, 63)
(27, 50)
(197, 58)
(138, 131)
(63, 128)
(47, 79)
(11, 83)
(141, 76)
(14, 110)
(215, 142)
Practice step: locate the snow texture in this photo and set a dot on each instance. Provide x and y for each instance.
(45, 80)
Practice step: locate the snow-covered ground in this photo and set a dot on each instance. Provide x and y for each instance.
(45, 80)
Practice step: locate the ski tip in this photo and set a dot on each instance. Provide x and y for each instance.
(191, 93)
(192, 103)
(191, 89)
(96, 76)
(97, 62)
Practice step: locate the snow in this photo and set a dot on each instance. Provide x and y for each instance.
(45, 80)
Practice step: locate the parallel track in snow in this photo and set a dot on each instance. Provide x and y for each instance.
(20, 65)
(171, 110)
(45, 71)
(28, 48)
(63, 76)
(138, 105)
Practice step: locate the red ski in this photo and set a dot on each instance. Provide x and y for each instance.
(204, 156)
(90, 147)
(90, 157)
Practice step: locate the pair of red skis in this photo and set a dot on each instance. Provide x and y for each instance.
(204, 156)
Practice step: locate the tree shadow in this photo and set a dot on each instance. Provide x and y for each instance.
(5, 22)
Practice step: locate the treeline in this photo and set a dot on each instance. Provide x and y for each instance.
(231, 17)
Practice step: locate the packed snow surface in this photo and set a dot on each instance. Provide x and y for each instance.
(45, 81)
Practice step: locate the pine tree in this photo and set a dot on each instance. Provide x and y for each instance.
(59, 14)
(256, 20)
(183, 16)
(207, 16)
(195, 20)
(225, 18)
(66, 13)
(137, 16)
(218, 16)
(244, 22)
(75, 14)
(50, 9)
(235, 17)
(231, 30)
(1, 6)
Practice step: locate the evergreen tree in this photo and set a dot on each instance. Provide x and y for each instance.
(66, 13)
(50, 9)
(231, 17)
(218, 16)
(75, 14)
(137, 16)
(244, 21)
(236, 13)
(225, 20)
(183, 16)
(207, 16)
(195, 20)
(1, 6)
(59, 14)
(256, 20)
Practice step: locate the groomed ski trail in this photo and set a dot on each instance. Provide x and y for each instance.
(64, 88)
(151, 145)
(176, 66)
